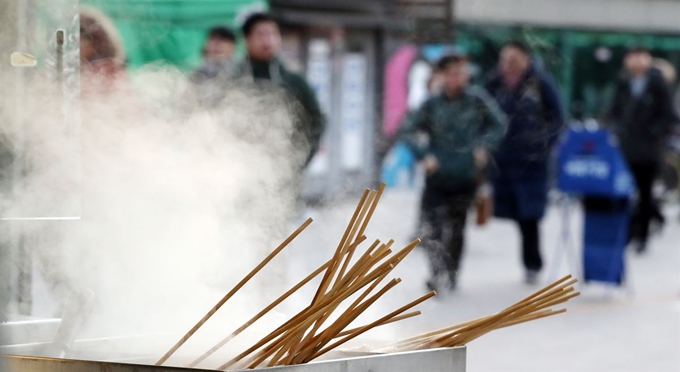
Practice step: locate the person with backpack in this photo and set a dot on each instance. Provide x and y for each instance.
(529, 98)
(451, 135)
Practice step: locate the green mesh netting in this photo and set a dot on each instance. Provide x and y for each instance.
(171, 30)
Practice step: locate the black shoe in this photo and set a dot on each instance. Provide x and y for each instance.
(453, 285)
(531, 277)
(641, 247)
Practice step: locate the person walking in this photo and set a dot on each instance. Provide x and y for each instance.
(642, 117)
(261, 64)
(261, 72)
(451, 135)
(520, 176)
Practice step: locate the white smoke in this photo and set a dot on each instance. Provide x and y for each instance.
(177, 201)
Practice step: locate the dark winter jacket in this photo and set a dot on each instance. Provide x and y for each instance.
(310, 123)
(520, 170)
(450, 129)
(643, 124)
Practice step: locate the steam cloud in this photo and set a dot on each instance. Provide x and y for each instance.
(177, 202)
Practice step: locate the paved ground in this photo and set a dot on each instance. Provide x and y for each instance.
(632, 329)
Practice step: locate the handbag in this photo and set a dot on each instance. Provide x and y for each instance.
(484, 205)
(483, 198)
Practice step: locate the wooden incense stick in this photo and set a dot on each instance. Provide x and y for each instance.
(370, 213)
(380, 254)
(533, 317)
(393, 320)
(547, 291)
(350, 252)
(362, 267)
(330, 310)
(286, 334)
(294, 332)
(357, 271)
(467, 336)
(299, 338)
(259, 315)
(446, 334)
(372, 203)
(471, 337)
(434, 334)
(542, 314)
(397, 257)
(517, 310)
(343, 321)
(338, 252)
(245, 280)
(316, 350)
(312, 312)
(559, 300)
(374, 324)
(356, 309)
(346, 254)
(334, 287)
(557, 296)
(310, 307)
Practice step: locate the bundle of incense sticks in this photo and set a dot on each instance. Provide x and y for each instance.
(323, 324)
(534, 307)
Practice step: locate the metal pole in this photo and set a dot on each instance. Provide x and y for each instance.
(9, 32)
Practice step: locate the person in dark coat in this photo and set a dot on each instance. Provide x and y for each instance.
(262, 65)
(451, 134)
(529, 98)
(642, 117)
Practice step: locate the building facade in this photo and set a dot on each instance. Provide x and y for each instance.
(654, 16)
(340, 47)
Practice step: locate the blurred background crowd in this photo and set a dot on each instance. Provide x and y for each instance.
(463, 103)
(462, 99)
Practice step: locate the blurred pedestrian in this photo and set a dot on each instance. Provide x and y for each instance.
(102, 55)
(262, 68)
(218, 53)
(642, 117)
(669, 165)
(435, 85)
(531, 102)
(451, 135)
(261, 64)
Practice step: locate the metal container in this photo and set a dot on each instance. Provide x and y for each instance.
(435, 360)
